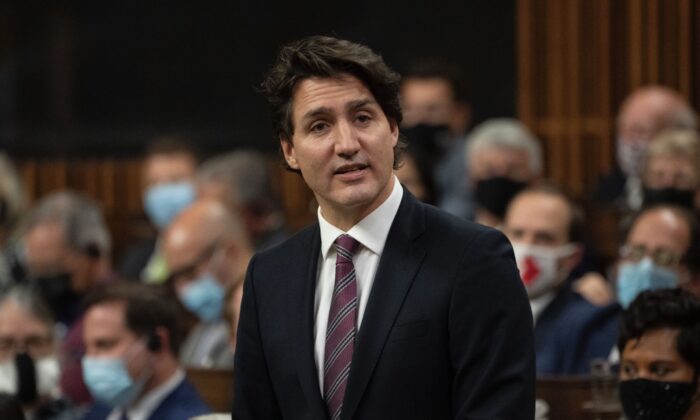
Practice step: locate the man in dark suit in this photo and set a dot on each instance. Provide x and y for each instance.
(546, 230)
(386, 308)
(130, 366)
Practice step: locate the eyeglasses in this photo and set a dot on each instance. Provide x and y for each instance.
(31, 344)
(661, 256)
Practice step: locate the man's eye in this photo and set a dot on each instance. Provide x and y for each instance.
(363, 118)
(318, 127)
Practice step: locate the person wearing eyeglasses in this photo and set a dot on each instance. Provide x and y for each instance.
(207, 250)
(661, 251)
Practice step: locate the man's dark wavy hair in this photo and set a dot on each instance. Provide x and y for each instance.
(665, 308)
(322, 56)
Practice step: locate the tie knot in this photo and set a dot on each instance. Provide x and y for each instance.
(346, 244)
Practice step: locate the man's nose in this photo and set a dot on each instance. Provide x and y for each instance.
(346, 141)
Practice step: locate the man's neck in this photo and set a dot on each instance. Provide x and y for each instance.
(162, 372)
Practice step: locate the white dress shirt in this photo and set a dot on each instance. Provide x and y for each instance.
(146, 405)
(371, 232)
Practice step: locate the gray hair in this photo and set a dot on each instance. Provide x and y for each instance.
(27, 298)
(81, 219)
(506, 133)
(244, 173)
(11, 190)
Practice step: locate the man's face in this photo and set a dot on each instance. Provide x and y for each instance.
(106, 335)
(654, 357)
(167, 168)
(500, 162)
(343, 144)
(662, 235)
(189, 256)
(427, 101)
(538, 219)
(47, 254)
(20, 332)
(542, 220)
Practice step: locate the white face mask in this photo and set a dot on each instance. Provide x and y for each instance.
(539, 266)
(47, 371)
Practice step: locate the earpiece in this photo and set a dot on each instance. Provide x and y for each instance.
(153, 342)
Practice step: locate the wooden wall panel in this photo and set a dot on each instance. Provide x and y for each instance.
(578, 59)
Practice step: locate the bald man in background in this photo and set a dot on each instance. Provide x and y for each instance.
(643, 114)
(207, 250)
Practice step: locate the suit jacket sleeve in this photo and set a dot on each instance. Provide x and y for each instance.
(254, 396)
(491, 344)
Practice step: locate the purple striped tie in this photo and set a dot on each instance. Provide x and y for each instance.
(340, 333)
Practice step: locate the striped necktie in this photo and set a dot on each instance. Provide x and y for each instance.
(340, 333)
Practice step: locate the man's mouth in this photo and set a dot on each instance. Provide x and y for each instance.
(350, 168)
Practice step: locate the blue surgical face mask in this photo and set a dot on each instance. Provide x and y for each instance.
(635, 278)
(204, 297)
(109, 382)
(163, 202)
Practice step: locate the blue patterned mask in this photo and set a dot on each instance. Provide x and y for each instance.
(635, 278)
(163, 202)
(204, 297)
(109, 382)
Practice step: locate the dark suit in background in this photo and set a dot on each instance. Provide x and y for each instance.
(447, 332)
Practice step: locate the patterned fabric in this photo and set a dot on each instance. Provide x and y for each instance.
(342, 326)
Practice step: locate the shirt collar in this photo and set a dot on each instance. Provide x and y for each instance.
(371, 231)
(145, 406)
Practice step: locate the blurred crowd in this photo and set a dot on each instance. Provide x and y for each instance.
(83, 335)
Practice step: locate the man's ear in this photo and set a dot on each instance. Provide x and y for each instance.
(289, 153)
(394, 126)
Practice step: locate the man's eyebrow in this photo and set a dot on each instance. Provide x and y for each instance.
(359, 103)
(322, 110)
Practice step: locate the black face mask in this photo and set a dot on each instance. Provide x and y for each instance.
(26, 378)
(494, 194)
(58, 292)
(674, 196)
(644, 399)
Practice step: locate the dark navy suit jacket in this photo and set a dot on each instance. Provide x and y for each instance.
(447, 331)
(181, 404)
(571, 332)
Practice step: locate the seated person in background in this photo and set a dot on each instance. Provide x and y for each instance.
(645, 112)
(207, 250)
(660, 346)
(504, 158)
(67, 250)
(12, 206)
(168, 188)
(661, 251)
(130, 366)
(546, 231)
(434, 96)
(672, 170)
(241, 180)
(28, 362)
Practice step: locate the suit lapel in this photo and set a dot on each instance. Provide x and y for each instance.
(401, 258)
(302, 270)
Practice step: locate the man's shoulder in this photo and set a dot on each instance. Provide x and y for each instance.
(182, 403)
(304, 237)
(450, 228)
(577, 314)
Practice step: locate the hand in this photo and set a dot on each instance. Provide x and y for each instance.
(594, 288)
